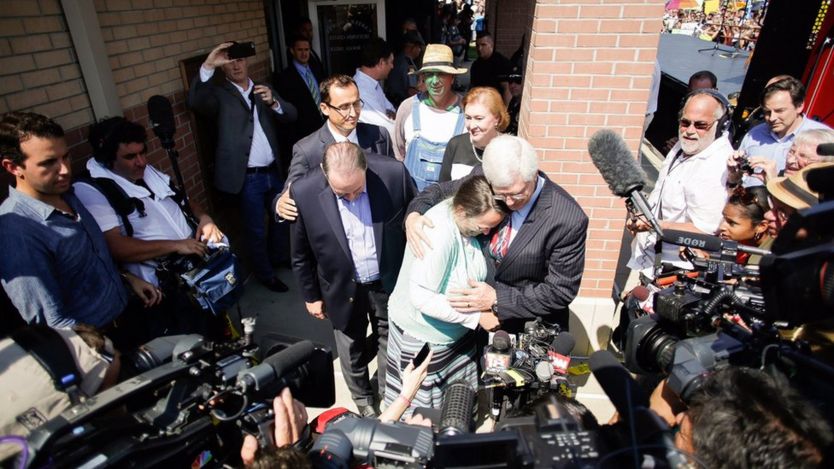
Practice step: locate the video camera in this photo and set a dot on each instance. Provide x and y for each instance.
(190, 408)
(730, 315)
(549, 431)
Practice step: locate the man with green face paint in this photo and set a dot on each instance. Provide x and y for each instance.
(426, 122)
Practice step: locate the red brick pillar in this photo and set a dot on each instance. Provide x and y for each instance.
(589, 67)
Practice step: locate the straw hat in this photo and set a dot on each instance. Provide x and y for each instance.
(438, 58)
(793, 190)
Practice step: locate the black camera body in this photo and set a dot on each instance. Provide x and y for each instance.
(194, 406)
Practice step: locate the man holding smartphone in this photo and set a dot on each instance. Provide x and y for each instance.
(247, 156)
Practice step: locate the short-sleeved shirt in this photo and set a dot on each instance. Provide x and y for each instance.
(162, 220)
(56, 268)
(490, 72)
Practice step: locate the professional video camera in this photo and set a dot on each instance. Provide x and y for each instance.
(549, 431)
(738, 318)
(190, 409)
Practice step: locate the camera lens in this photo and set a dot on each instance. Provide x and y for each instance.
(656, 350)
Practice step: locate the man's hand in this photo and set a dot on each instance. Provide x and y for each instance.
(290, 420)
(190, 246)
(265, 93)
(636, 225)
(316, 309)
(767, 166)
(207, 231)
(489, 321)
(217, 57)
(415, 225)
(734, 172)
(149, 294)
(479, 297)
(286, 206)
(666, 403)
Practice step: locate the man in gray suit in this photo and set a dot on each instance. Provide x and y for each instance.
(341, 104)
(538, 252)
(247, 159)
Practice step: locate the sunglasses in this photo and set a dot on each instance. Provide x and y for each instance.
(699, 125)
(517, 79)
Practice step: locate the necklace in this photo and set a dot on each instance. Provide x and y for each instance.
(475, 152)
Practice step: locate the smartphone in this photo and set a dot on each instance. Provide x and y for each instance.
(421, 355)
(239, 50)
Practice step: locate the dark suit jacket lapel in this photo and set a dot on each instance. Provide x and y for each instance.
(368, 137)
(530, 227)
(233, 90)
(326, 139)
(380, 202)
(330, 209)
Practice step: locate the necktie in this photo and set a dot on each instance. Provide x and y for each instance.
(500, 242)
(311, 85)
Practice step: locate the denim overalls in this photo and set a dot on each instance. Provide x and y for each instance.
(423, 158)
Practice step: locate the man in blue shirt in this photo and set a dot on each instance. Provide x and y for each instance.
(767, 144)
(56, 268)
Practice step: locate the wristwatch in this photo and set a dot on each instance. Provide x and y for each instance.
(494, 306)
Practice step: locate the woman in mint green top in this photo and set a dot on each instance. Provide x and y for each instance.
(419, 309)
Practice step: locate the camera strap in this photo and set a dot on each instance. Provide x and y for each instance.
(46, 346)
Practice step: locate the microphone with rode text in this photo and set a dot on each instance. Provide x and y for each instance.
(707, 242)
(614, 161)
(456, 413)
(632, 404)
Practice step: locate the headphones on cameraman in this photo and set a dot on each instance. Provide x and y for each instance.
(725, 121)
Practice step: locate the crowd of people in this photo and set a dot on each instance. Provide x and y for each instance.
(407, 207)
(735, 28)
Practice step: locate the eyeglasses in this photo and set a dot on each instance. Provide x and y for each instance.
(344, 109)
(699, 125)
(516, 197)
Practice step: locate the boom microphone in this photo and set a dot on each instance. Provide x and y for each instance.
(564, 343)
(613, 160)
(456, 413)
(161, 116)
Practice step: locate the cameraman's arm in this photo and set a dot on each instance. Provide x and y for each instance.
(412, 379)
(126, 249)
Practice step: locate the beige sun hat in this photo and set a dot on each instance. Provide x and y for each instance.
(793, 190)
(439, 58)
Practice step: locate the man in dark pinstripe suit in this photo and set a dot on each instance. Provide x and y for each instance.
(538, 258)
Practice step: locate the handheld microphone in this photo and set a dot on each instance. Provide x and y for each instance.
(161, 116)
(614, 161)
(559, 356)
(456, 413)
(498, 356)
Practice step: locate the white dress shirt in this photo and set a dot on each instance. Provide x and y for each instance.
(377, 106)
(260, 153)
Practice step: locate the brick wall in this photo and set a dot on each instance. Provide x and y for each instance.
(145, 41)
(509, 23)
(589, 67)
(38, 68)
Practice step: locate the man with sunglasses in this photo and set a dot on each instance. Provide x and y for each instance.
(690, 190)
(347, 248)
(341, 104)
